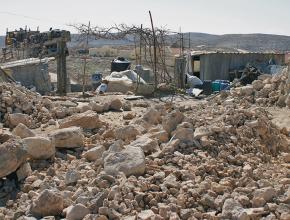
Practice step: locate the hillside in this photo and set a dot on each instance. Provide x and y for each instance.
(249, 42)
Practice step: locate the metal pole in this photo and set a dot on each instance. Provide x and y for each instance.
(154, 45)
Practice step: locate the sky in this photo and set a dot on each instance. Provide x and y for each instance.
(205, 16)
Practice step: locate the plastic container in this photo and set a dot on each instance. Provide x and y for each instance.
(120, 64)
(216, 86)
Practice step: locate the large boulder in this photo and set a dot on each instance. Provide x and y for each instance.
(94, 153)
(22, 131)
(88, 120)
(12, 156)
(171, 120)
(68, 137)
(147, 144)
(130, 161)
(128, 132)
(39, 147)
(48, 203)
(17, 118)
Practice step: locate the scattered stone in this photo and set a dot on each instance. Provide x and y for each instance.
(146, 215)
(39, 147)
(17, 118)
(127, 106)
(88, 120)
(23, 171)
(129, 116)
(71, 137)
(201, 132)
(71, 177)
(76, 212)
(99, 108)
(171, 120)
(116, 105)
(130, 161)
(12, 156)
(261, 196)
(147, 144)
(152, 116)
(22, 131)
(94, 153)
(128, 132)
(232, 209)
(48, 203)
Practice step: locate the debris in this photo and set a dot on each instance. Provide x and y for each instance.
(48, 203)
(71, 137)
(12, 156)
(88, 119)
(130, 161)
(22, 131)
(39, 147)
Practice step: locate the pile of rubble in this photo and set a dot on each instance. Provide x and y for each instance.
(20, 105)
(267, 90)
(222, 159)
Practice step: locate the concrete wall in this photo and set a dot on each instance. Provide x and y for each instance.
(218, 65)
(33, 75)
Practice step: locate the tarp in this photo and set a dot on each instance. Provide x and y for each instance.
(124, 81)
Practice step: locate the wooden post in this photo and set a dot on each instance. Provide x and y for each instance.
(179, 69)
(61, 68)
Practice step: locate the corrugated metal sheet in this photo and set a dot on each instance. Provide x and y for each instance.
(218, 65)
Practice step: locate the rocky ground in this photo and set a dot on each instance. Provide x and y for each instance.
(227, 157)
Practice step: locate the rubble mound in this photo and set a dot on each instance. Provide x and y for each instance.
(217, 159)
(20, 105)
(267, 90)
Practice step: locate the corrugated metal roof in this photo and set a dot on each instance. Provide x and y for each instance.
(198, 53)
(24, 62)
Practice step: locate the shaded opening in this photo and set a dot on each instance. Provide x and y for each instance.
(196, 66)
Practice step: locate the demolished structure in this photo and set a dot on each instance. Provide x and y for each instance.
(108, 158)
